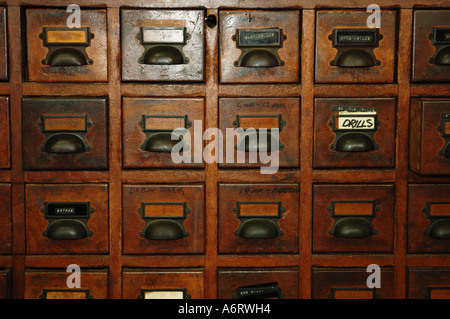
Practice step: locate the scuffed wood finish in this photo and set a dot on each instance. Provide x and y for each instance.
(5, 147)
(38, 280)
(165, 279)
(3, 46)
(421, 279)
(5, 219)
(97, 51)
(385, 52)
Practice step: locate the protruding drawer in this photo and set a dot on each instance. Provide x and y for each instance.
(429, 218)
(67, 219)
(5, 219)
(429, 136)
(259, 46)
(163, 219)
(182, 283)
(267, 131)
(349, 51)
(162, 45)
(61, 52)
(353, 218)
(257, 283)
(52, 284)
(64, 133)
(428, 283)
(153, 128)
(351, 283)
(258, 218)
(431, 46)
(354, 132)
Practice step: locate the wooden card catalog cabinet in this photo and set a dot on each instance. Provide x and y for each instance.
(58, 53)
(163, 45)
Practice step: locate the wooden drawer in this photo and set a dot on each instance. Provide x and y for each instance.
(64, 133)
(147, 128)
(5, 219)
(57, 53)
(350, 283)
(429, 283)
(259, 46)
(353, 218)
(258, 218)
(429, 133)
(431, 46)
(67, 219)
(5, 148)
(428, 218)
(354, 132)
(162, 45)
(163, 219)
(52, 284)
(342, 56)
(233, 283)
(261, 113)
(163, 283)
(5, 284)
(3, 46)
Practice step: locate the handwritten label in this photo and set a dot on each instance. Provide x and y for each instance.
(274, 190)
(355, 123)
(142, 190)
(259, 105)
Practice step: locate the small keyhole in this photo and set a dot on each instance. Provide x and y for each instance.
(211, 21)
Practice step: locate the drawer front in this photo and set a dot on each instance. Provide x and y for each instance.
(430, 137)
(354, 132)
(163, 283)
(431, 46)
(260, 283)
(58, 53)
(429, 283)
(348, 51)
(162, 45)
(3, 46)
(428, 218)
(257, 117)
(5, 219)
(5, 284)
(353, 218)
(163, 219)
(52, 284)
(351, 283)
(67, 219)
(5, 148)
(64, 134)
(258, 218)
(259, 46)
(148, 126)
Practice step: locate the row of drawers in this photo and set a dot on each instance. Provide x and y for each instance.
(237, 283)
(252, 218)
(72, 133)
(254, 46)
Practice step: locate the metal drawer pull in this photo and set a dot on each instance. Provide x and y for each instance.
(159, 129)
(440, 38)
(353, 219)
(164, 221)
(354, 128)
(163, 45)
(67, 220)
(65, 133)
(444, 128)
(253, 140)
(355, 47)
(66, 294)
(66, 46)
(259, 220)
(259, 47)
(439, 215)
